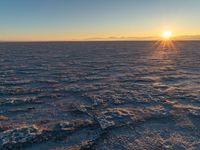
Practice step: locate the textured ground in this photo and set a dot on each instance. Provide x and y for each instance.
(99, 95)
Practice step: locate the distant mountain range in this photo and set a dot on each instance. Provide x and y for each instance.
(188, 37)
(123, 38)
(183, 37)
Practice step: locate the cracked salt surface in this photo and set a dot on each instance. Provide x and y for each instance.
(99, 95)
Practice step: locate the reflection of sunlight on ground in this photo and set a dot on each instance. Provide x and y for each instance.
(163, 61)
(165, 44)
(164, 50)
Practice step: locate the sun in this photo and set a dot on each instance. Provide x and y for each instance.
(166, 35)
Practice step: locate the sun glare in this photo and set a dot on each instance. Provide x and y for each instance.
(166, 35)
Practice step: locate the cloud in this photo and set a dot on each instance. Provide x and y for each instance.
(188, 37)
(121, 38)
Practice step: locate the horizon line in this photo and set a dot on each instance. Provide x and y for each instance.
(52, 41)
(116, 38)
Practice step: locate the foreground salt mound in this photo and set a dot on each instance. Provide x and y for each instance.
(124, 116)
(103, 119)
(20, 137)
(154, 140)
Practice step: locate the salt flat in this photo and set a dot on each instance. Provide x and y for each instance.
(99, 95)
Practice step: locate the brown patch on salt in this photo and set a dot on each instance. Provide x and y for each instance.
(2, 118)
(181, 106)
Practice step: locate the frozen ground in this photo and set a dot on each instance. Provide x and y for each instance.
(99, 95)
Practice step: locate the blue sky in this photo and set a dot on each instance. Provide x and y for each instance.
(82, 19)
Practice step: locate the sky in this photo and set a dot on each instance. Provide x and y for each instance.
(60, 20)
